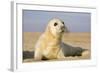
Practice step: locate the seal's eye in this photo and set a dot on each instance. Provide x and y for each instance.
(62, 22)
(55, 24)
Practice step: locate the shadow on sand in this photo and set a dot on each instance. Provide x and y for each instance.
(68, 50)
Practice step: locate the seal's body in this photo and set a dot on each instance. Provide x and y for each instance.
(49, 43)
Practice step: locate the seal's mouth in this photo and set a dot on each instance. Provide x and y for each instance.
(62, 30)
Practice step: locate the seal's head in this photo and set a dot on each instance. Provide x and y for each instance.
(56, 27)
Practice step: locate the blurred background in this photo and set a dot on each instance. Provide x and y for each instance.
(36, 21)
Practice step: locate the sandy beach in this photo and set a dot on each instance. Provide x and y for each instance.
(82, 40)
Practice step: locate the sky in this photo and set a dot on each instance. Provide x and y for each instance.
(36, 21)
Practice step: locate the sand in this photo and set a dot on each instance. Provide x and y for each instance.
(82, 40)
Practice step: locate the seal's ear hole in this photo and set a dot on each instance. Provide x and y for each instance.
(55, 24)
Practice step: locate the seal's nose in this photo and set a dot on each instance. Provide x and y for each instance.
(62, 27)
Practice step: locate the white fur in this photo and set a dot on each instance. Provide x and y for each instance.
(49, 43)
